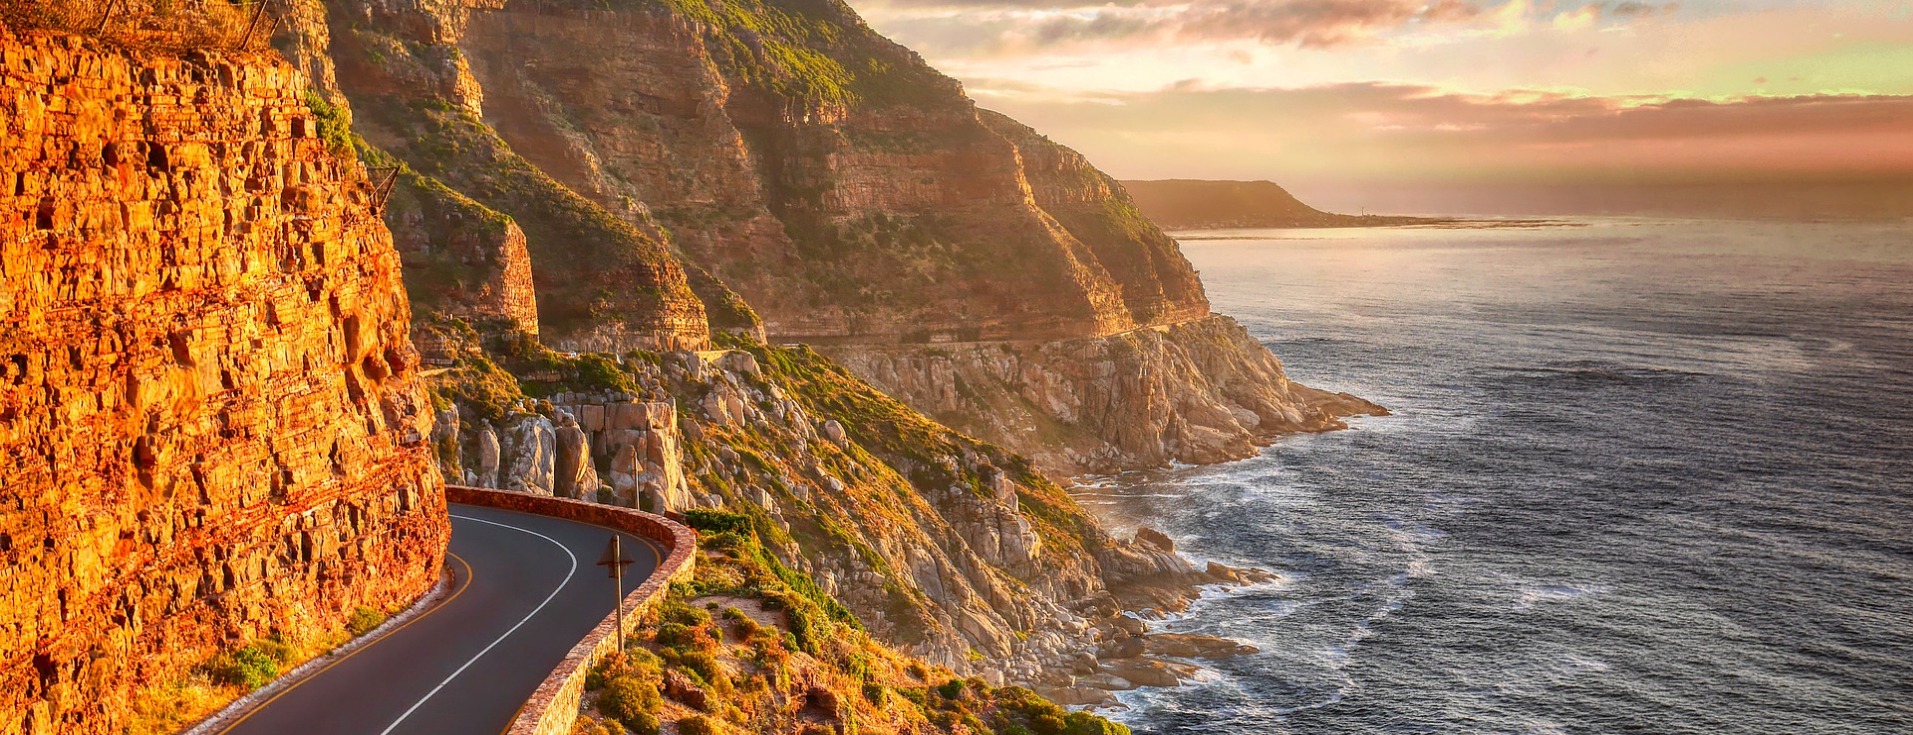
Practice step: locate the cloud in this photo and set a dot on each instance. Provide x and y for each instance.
(987, 28)
(1005, 27)
(1407, 133)
(1641, 10)
(1584, 17)
(1591, 14)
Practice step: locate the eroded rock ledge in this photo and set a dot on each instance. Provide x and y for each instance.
(1198, 392)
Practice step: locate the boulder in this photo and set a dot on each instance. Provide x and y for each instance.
(530, 455)
(1193, 645)
(1149, 672)
(835, 434)
(1158, 539)
(570, 460)
(488, 456)
(742, 363)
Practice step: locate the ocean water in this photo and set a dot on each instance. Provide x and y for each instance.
(1645, 477)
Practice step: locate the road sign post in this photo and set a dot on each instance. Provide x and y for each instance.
(614, 558)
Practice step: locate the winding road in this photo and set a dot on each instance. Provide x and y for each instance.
(525, 590)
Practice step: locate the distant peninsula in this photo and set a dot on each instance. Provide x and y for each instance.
(1190, 204)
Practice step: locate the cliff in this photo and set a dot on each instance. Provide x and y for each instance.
(211, 424)
(1186, 204)
(1197, 393)
(822, 184)
(784, 157)
(843, 188)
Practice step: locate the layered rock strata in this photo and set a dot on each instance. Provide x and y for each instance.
(211, 424)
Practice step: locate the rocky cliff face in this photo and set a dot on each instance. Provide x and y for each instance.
(211, 424)
(793, 160)
(843, 188)
(1198, 393)
(604, 279)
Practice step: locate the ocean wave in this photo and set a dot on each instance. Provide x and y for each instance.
(1596, 373)
(1530, 594)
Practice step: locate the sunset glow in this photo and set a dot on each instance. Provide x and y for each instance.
(1333, 96)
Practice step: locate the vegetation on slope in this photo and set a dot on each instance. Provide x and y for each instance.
(815, 51)
(750, 646)
(917, 445)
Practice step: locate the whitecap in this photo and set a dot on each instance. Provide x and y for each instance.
(1535, 593)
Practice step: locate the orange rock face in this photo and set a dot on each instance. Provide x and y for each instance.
(211, 427)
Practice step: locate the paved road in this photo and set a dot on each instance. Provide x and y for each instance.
(525, 591)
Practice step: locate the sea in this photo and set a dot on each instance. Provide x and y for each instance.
(1643, 476)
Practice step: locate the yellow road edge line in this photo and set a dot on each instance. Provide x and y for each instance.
(361, 649)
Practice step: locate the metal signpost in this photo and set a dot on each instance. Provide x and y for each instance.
(614, 558)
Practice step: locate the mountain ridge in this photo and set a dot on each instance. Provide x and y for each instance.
(1203, 204)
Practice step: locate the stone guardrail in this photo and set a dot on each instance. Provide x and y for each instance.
(553, 708)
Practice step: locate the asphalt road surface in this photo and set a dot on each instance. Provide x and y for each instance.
(525, 590)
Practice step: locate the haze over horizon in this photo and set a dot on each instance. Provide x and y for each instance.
(1524, 106)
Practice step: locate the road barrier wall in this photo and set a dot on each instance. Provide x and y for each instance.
(553, 708)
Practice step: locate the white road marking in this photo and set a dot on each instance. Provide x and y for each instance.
(494, 644)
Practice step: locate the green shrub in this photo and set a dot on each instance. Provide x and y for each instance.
(251, 667)
(333, 126)
(681, 636)
(1047, 723)
(682, 614)
(703, 666)
(699, 725)
(642, 724)
(630, 700)
(1084, 723)
(952, 689)
(717, 521)
(363, 620)
(747, 627)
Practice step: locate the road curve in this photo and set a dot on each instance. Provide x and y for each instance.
(525, 590)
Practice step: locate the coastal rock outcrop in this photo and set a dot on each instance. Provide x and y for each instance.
(212, 428)
(1197, 392)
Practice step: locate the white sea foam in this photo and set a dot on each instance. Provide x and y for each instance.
(1531, 594)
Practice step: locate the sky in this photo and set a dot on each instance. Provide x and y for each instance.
(1366, 103)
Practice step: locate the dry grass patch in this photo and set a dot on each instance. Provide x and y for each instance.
(168, 25)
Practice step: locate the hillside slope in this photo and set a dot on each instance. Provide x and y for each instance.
(1188, 204)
